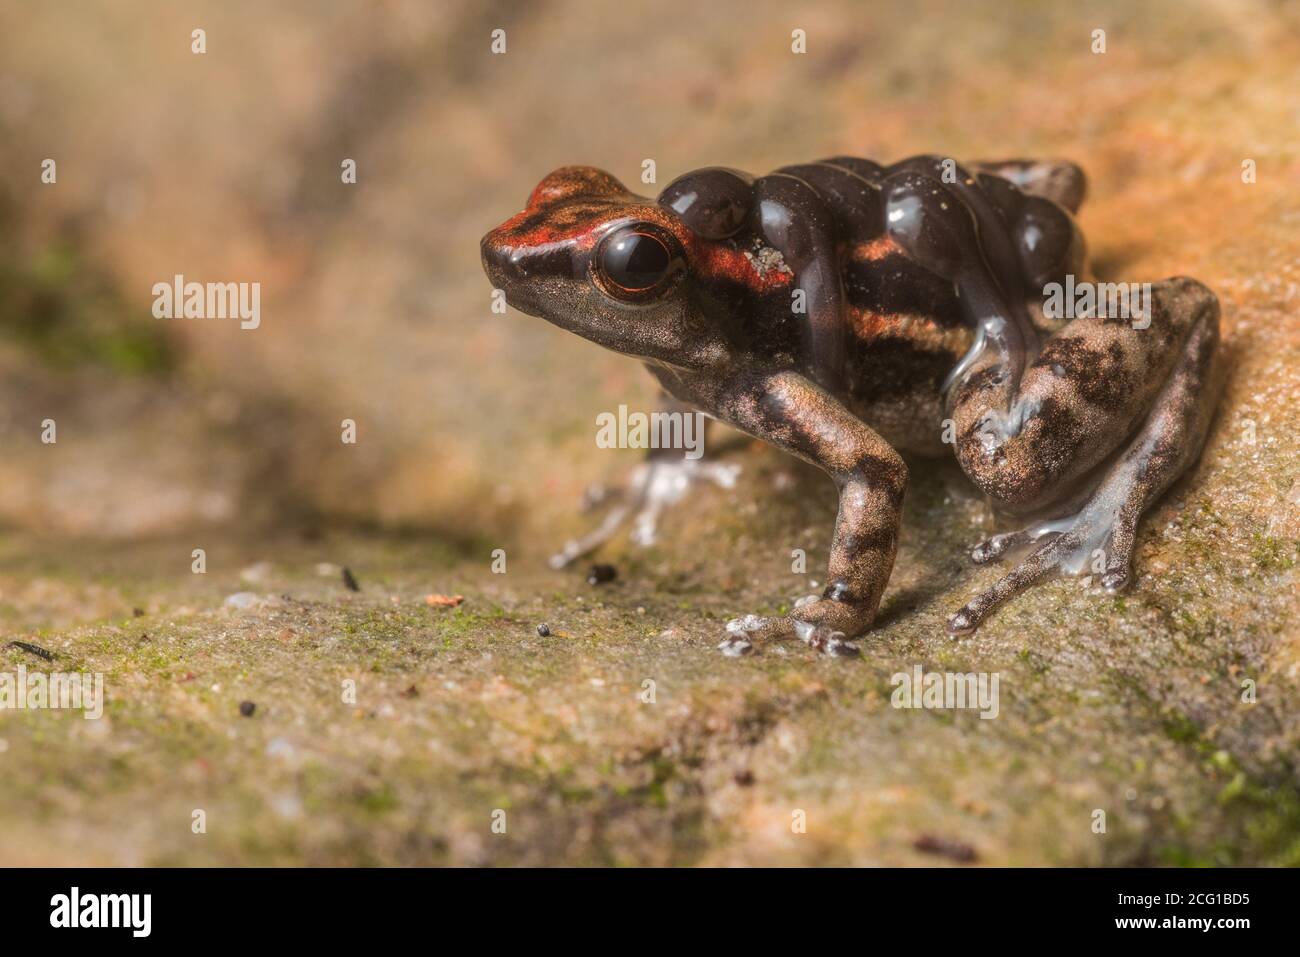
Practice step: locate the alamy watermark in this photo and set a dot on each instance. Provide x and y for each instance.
(75, 909)
(947, 690)
(651, 430)
(179, 299)
(39, 691)
(1102, 300)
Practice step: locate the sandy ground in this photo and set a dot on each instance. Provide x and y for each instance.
(389, 731)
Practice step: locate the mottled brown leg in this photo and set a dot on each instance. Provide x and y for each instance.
(1100, 538)
(798, 416)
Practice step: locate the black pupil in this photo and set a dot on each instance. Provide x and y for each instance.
(636, 261)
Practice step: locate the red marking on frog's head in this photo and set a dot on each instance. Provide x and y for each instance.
(592, 257)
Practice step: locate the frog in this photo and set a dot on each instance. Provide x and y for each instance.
(865, 318)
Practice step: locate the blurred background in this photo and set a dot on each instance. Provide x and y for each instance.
(225, 166)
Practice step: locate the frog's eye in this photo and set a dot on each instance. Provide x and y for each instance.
(635, 262)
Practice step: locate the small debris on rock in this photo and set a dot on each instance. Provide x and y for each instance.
(243, 599)
(946, 847)
(349, 580)
(37, 650)
(411, 692)
(600, 574)
(137, 612)
(443, 601)
(246, 708)
(543, 630)
(744, 777)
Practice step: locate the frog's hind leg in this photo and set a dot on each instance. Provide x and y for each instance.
(1063, 427)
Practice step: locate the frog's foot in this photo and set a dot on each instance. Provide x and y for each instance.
(653, 486)
(1097, 541)
(822, 623)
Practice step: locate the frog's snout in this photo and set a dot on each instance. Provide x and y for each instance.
(497, 261)
(512, 268)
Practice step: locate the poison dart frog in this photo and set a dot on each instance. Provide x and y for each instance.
(847, 312)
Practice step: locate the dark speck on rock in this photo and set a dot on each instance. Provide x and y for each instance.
(745, 778)
(600, 574)
(349, 580)
(246, 708)
(138, 612)
(946, 847)
(36, 650)
(544, 630)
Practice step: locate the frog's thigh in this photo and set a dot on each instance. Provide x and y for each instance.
(1086, 393)
(798, 416)
(1100, 537)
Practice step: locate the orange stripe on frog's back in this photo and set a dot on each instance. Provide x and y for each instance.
(869, 326)
(876, 249)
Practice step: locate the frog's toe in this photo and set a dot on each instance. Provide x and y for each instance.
(996, 546)
(1118, 572)
(1116, 580)
(1096, 541)
(832, 644)
(736, 646)
(810, 622)
(743, 632)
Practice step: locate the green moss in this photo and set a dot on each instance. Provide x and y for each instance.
(62, 308)
(380, 800)
(1274, 554)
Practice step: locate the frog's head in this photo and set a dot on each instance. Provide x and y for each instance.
(619, 269)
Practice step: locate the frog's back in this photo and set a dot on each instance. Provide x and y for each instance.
(905, 324)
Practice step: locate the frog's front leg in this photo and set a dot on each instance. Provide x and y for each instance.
(794, 414)
(662, 480)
